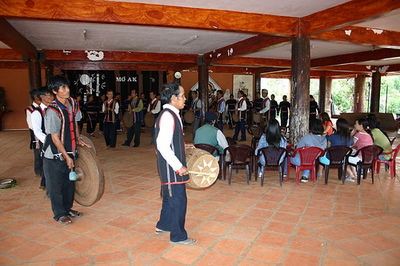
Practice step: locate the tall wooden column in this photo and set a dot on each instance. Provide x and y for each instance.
(49, 71)
(117, 84)
(375, 91)
(325, 89)
(160, 81)
(35, 75)
(300, 88)
(257, 83)
(140, 81)
(359, 94)
(203, 88)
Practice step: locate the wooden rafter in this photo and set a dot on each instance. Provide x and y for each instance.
(247, 46)
(347, 68)
(257, 62)
(10, 36)
(313, 74)
(355, 57)
(362, 36)
(9, 54)
(101, 11)
(118, 56)
(347, 14)
(70, 65)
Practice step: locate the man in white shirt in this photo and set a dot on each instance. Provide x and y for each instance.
(37, 118)
(196, 107)
(155, 108)
(220, 110)
(111, 111)
(171, 162)
(241, 108)
(34, 144)
(266, 104)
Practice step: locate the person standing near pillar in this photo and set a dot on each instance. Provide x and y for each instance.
(155, 108)
(34, 143)
(231, 110)
(265, 106)
(314, 110)
(91, 115)
(220, 110)
(284, 107)
(196, 107)
(60, 149)
(273, 107)
(100, 103)
(135, 107)
(171, 162)
(38, 124)
(241, 108)
(111, 111)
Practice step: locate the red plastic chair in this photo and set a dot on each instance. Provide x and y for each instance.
(368, 158)
(308, 158)
(391, 163)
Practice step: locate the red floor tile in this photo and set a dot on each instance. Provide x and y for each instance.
(307, 244)
(113, 256)
(80, 245)
(357, 247)
(183, 254)
(304, 259)
(231, 246)
(215, 228)
(212, 258)
(153, 246)
(274, 239)
(265, 253)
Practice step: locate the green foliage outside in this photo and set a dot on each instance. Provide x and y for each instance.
(343, 92)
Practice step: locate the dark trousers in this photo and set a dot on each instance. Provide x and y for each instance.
(272, 114)
(220, 124)
(152, 131)
(284, 120)
(240, 126)
(133, 131)
(110, 133)
(101, 122)
(60, 188)
(37, 162)
(230, 119)
(173, 212)
(91, 124)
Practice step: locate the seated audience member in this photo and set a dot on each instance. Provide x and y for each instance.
(361, 139)
(340, 138)
(208, 134)
(327, 123)
(271, 137)
(315, 139)
(380, 140)
(374, 118)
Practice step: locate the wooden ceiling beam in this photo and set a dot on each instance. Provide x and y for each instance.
(71, 65)
(355, 57)
(347, 68)
(313, 74)
(246, 46)
(262, 70)
(231, 69)
(101, 11)
(13, 65)
(9, 54)
(361, 35)
(121, 56)
(15, 40)
(257, 62)
(347, 14)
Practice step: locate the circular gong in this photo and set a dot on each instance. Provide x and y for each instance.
(203, 168)
(256, 118)
(89, 185)
(149, 119)
(127, 119)
(88, 141)
(235, 117)
(189, 117)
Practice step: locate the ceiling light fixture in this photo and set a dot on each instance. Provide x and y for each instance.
(188, 40)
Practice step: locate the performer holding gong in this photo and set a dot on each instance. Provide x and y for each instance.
(171, 163)
(60, 149)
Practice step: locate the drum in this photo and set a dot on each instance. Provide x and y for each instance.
(149, 119)
(189, 117)
(256, 118)
(203, 168)
(235, 117)
(127, 119)
(89, 185)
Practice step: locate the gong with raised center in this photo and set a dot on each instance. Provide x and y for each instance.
(203, 168)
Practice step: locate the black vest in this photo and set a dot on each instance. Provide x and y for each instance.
(167, 175)
(68, 129)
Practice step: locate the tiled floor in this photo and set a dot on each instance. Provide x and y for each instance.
(234, 225)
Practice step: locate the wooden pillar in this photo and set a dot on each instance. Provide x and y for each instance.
(359, 94)
(170, 76)
(160, 81)
(35, 75)
(375, 91)
(140, 80)
(325, 89)
(117, 84)
(300, 88)
(257, 83)
(203, 88)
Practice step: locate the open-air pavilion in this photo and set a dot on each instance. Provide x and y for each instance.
(150, 40)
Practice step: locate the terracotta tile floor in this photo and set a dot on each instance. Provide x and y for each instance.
(235, 225)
